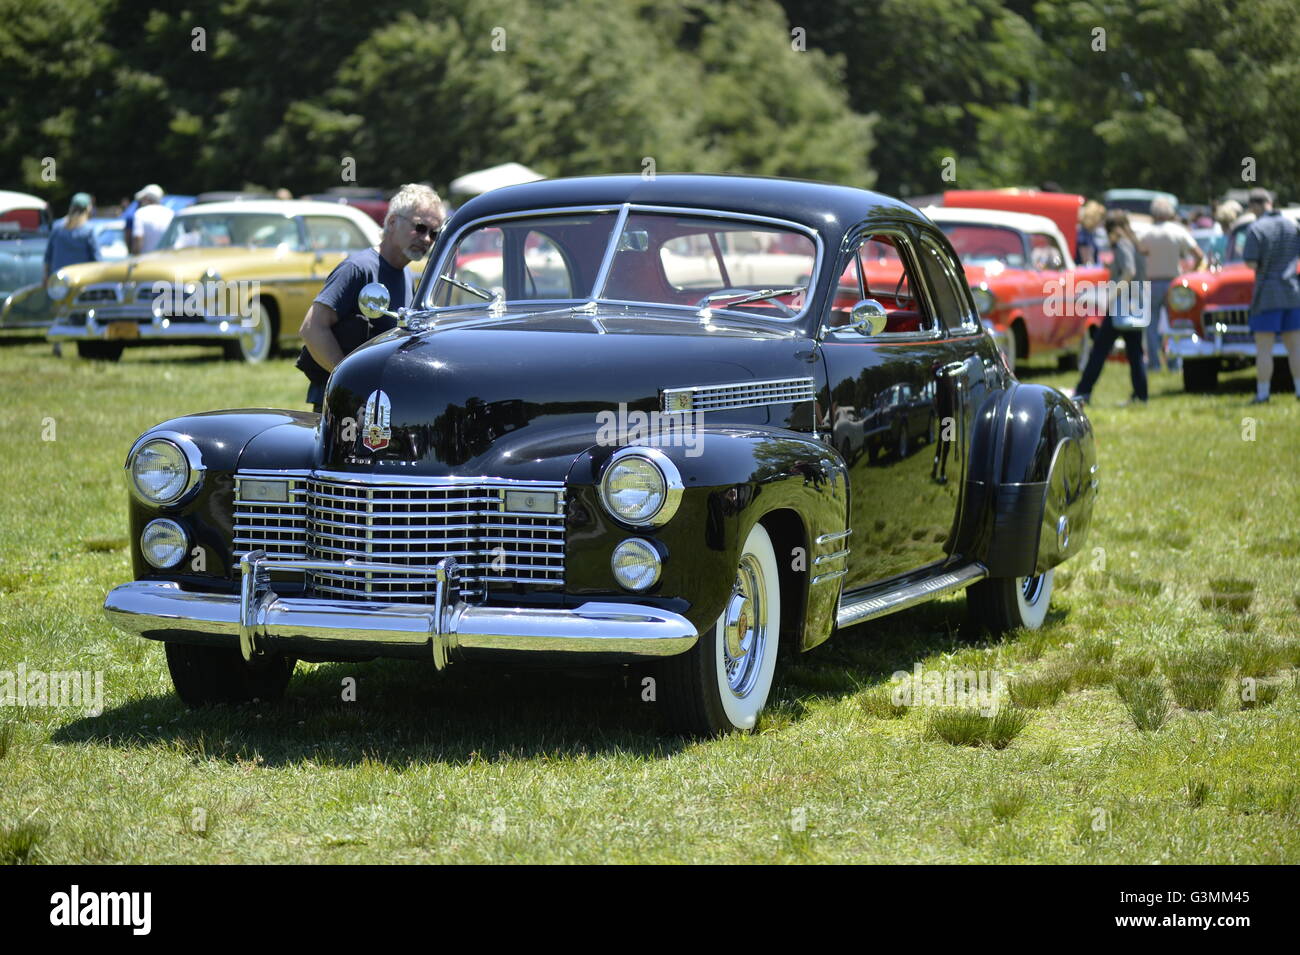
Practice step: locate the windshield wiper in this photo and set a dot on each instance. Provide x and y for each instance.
(473, 289)
(742, 298)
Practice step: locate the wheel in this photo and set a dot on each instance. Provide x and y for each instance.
(999, 604)
(1075, 360)
(1200, 374)
(1008, 344)
(904, 444)
(100, 351)
(256, 344)
(207, 675)
(722, 683)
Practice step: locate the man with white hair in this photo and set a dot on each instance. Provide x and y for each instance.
(150, 221)
(1164, 246)
(334, 325)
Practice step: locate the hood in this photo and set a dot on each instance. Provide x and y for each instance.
(521, 396)
(178, 265)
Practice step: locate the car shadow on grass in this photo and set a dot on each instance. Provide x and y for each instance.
(400, 714)
(859, 658)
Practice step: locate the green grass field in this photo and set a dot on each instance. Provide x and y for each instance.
(1190, 583)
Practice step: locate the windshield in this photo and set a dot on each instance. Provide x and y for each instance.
(250, 230)
(984, 244)
(657, 258)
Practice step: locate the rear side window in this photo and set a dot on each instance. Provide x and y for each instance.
(947, 286)
(887, 264)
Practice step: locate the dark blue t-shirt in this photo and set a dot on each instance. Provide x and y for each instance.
(340, 293)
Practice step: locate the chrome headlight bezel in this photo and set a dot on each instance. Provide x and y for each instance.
(670, 477)
(652, 555)
(1180, 298)
(194, 468)
(57, 288)
(170, 525)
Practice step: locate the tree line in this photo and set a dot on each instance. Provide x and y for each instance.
(908, 96)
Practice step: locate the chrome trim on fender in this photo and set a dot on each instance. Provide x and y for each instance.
(839, 535)
(829, 557)
(857, 610)
(739, 394)
(829, 575)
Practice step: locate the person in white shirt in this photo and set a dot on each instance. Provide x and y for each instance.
(151, 219)
(1164, 246)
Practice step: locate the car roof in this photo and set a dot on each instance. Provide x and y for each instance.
(1023, 221)
(827, 208)
(286, 207)
(20, 200)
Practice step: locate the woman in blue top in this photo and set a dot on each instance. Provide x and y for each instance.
(71, 240)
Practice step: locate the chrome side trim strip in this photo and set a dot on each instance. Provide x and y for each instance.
(831, 575)
(857, 610)
(839, 535)
(826, 558)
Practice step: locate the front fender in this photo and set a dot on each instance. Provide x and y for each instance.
(1032, 482)
(226, 441)
(733, 478)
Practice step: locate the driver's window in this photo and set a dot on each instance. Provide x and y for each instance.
(691, 263)
(1046, 253)
(888, 274)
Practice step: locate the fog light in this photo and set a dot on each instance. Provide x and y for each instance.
(163, 543)
(636, 564)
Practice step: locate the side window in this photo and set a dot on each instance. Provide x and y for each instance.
(887, 264)
(479, 261)
(947, 286)
(1045, 252)
(546, 273)
(332, 234)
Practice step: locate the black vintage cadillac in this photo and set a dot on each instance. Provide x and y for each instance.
(617, 424)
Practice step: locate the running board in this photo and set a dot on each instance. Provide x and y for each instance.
(856, 610)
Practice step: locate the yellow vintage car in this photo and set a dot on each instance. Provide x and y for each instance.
(238, 274)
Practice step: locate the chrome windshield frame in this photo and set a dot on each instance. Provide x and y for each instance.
(622, 212)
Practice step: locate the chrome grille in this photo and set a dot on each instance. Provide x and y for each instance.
(1237, 321)
(98, 293)
(1228, 316)
(278, 529)
(741, 394)
(412, 524)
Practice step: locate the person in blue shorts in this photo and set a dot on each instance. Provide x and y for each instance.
(1272, 249)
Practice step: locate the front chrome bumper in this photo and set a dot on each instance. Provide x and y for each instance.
(1192, 345)
(119, 329)
(259, 621)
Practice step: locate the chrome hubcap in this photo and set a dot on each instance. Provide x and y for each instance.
(744, 630)
(254, 336)
(1031, 588)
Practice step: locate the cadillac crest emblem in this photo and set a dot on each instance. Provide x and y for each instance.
(375, 431)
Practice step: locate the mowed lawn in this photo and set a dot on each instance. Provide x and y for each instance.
(1191, 583)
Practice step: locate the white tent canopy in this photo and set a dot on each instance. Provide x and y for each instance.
(485, 180)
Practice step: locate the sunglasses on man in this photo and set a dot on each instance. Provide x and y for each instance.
(422, 228)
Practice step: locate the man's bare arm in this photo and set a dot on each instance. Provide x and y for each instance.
(318, 335)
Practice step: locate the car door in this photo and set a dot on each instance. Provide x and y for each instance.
(905, 386)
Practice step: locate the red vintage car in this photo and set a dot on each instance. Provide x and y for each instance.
(1209, 314)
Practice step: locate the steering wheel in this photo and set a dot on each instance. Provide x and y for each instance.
(785, 309)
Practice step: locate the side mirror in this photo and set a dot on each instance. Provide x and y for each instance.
(373, 301)
(868, 317)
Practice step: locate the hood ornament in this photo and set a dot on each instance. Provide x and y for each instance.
(375, 430)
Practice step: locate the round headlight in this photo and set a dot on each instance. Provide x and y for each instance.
(636, 564)
(641, 487)
(984, 300)
(160, 471)
(1181, 298)
(56, 288)
(163, 543)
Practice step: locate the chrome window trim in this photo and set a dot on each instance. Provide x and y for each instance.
(623, 210)
(849, 335)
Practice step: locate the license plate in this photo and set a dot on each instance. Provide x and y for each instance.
(120, 330)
